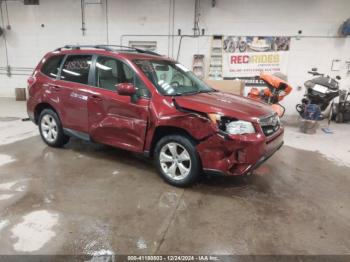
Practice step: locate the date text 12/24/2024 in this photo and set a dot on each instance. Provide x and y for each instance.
(172, 258)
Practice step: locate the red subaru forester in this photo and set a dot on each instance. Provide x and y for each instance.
(146, 103)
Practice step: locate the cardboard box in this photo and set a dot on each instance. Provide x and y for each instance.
(20, 94)
(231, 86)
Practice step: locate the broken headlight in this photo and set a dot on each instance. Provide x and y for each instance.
(232, 126)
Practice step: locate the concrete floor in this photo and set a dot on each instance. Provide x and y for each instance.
(93, 199)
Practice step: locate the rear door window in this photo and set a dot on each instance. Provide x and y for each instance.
(52, 66)
(76, 69)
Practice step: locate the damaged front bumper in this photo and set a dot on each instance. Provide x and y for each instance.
(238, 154)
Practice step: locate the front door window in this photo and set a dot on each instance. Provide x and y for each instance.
(110, 72)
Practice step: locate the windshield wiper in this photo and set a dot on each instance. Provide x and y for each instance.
(193, 92)
(207, 91)
(186, 93)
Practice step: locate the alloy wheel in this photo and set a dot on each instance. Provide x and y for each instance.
(175, 161)
(49, 128)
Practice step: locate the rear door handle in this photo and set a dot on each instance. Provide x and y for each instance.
(56, 87)
(96, 97)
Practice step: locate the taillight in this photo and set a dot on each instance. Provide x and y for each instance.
(30, 80)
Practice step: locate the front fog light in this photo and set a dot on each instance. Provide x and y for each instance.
(240, 127)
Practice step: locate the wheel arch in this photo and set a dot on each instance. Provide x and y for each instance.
(40, 107)
(162, 131)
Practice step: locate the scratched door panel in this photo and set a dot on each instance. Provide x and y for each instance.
(116, 120)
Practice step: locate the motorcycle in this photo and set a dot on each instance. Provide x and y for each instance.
(320, 92)
(277, 89)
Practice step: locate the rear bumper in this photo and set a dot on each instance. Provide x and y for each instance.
(30, 109)
(238, 155)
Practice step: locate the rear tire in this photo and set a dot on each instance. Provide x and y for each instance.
(51, 130)
(177, 160)
(339, 118)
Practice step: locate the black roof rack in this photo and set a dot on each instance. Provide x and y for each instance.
(112, 48)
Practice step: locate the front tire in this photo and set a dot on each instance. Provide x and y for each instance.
(51, 130)
(177, 160)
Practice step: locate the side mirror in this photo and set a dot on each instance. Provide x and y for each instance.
(314, 69)
(126, 89)
(338, 77)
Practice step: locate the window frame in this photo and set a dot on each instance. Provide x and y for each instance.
(94, 82)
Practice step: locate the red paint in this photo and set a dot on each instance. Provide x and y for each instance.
(126, 89)
(114, 118)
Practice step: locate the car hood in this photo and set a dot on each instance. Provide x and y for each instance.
(226, 104)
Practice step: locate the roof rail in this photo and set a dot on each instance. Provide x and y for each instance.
(77, 47)
(132, 48)
(108, 48)
(147, 52)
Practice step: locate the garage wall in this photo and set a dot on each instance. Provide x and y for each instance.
(319, 20)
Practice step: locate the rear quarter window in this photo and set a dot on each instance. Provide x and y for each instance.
(52, 65)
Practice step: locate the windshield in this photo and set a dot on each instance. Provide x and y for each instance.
(172, 78)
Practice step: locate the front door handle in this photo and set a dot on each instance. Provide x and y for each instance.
(96, 97)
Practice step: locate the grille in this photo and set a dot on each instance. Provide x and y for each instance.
(270, 124)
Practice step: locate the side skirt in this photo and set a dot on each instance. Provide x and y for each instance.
(77, 134)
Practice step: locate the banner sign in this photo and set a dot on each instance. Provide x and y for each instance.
(247, 56)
